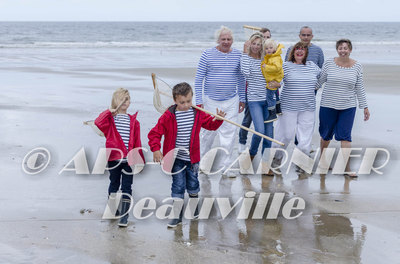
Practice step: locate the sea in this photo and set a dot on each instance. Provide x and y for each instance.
(173, 44)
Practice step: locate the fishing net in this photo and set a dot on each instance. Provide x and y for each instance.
(162, 96)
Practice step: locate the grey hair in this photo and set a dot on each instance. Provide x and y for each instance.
(221, 30)
(305, 27)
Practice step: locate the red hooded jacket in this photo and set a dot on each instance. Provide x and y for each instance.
(168, 127)
(105, 122)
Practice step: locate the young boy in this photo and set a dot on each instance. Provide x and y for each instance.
(271, 68)
(180, 125)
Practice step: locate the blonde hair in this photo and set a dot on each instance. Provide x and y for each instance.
(253, 37)
(222, 30)
(270, 42)
(118, 97)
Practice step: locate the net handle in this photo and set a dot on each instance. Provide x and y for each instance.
(252, 27)
(153, 76)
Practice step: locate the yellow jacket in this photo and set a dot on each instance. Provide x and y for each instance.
(271, 66)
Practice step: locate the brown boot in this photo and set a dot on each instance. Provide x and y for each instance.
(252, 157)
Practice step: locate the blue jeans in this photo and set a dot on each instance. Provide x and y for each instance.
(259, 113)
(115, 178)
(246, 123)
(271, 101)
(187, 179)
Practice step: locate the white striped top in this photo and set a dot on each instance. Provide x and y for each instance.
(185, 120)
(221, 76)
(122, 122)
(342, 86)
(256, 84)
(298, 92)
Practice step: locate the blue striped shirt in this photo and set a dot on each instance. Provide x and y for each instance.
(343, 86)
(220, 75)
(122, 123)
(185, 120)
(298, 92)
(256, 84)
(315, 54)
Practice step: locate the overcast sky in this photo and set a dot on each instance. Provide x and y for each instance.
(200, 10)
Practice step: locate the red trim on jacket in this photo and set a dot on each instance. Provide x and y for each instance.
(105, 122)
(168, 127)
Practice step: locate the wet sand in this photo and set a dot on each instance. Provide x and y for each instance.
(345, 220)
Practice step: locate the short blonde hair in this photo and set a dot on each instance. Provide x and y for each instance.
(270, 42)
(118, 97)
(222, 30)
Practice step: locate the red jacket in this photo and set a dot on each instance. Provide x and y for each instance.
(168, 127)
(105, 122)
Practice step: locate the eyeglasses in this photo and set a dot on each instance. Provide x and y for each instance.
(306, 35)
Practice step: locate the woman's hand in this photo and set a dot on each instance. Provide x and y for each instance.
(274, 84)
(246, 46)
(366, 114)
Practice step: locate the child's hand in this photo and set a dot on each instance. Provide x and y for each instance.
(219, 113)
(157, 156)
(114, 111)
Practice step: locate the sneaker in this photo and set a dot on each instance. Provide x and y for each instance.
(123, 222)
(271, 117)
(241, 148)
(174, 222)
(278, 109)
(229, 174)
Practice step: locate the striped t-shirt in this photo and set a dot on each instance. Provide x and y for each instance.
(220, 73)
(298, 92)
(256, 84)
(342, 86)
(185, 120)
(122, 122)
(315, 54)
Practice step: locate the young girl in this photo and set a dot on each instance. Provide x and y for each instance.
(271, 68)
(122, 132)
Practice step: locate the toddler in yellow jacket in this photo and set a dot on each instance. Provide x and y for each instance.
(271, 68)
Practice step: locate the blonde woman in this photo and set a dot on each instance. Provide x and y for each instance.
(256, 93)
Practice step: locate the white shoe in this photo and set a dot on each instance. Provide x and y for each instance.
(241, 148)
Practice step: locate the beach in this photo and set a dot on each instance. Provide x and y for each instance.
(55, 216)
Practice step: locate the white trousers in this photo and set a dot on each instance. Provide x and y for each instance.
(291, 124)
(226, 132)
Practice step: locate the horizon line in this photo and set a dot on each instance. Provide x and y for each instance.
(196, 21)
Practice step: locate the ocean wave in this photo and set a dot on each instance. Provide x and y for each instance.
(111, 44)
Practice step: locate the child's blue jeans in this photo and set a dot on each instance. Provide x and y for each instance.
(271, 101)
(186, 179)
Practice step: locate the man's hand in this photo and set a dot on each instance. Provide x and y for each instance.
(157, 156)
(241, 106)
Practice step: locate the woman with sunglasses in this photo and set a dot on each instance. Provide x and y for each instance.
(297, 101)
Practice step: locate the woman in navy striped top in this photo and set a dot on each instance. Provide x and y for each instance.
(250, 66)
(297, 100)
(344, 86)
